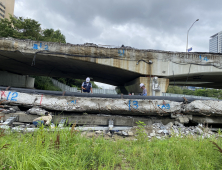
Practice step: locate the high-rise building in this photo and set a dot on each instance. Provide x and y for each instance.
(6, 8)
(215, 43)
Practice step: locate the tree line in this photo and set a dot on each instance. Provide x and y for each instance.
(198, 92)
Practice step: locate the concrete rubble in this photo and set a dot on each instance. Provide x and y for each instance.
(161, 117)
(160, 131)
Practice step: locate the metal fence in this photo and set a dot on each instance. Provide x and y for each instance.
(182, 95)
(104, 91)
(64, 87)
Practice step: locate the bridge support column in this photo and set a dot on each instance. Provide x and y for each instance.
(14, 80)
(134, 86)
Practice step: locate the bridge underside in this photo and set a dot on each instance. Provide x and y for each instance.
(56, 66)
(208, 80)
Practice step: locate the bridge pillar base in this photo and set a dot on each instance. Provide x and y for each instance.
(14, 80)
(134, 86)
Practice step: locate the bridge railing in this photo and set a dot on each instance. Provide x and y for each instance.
(183, 95)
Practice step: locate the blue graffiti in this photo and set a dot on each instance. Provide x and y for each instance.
(203, 58)
(121, 52)
(73, 102)
(46, 47)
(36, 47)
(167, 106)
(135, 104)
(14, 96)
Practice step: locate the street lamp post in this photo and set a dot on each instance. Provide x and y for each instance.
(188, 33)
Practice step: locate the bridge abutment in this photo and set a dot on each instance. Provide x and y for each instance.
(14, 80)
(134, 86)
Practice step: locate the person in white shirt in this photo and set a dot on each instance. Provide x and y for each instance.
(87, 86)
(142, 86)
(45, 120)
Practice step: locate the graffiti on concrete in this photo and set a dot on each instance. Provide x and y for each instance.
(36, 47)
(135, 104)
(12, 96)
(164, 106)
(121, 52)
(203, 58)
(3, 94)
(72, 102)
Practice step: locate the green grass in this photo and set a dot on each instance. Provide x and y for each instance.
(69, 150)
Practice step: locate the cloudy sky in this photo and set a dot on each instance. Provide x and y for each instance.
(143, 24)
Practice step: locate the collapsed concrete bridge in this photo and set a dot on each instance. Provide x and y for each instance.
(123, 66)
(149, 109)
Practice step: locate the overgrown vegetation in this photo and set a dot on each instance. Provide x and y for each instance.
(198, 92)
(68, 149)
(45, 83)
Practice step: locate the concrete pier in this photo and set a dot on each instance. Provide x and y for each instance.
(14, 80)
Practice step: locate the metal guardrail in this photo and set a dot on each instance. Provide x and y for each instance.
(183, 95)
(64, 87)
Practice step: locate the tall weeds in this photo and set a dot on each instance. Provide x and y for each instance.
(67, 149)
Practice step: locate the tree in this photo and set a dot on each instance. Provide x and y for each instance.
(21, 28)
(175, 90)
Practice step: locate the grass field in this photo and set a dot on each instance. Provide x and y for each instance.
(70, 150)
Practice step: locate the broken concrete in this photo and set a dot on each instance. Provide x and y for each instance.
(114, 106)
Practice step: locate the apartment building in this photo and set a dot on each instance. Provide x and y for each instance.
(6, 8)
(215, 43)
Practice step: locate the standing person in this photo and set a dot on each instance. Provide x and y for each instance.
(142, 86)
(45, 120)
(87, 86)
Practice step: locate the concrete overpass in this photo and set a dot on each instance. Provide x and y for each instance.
(123, 66)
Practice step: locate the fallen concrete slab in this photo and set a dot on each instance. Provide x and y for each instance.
(143, 107)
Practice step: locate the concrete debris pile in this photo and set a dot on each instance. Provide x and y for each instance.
(159, 131)
(123, 111)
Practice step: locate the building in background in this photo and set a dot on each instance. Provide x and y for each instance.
(6, 8)
(215, 43)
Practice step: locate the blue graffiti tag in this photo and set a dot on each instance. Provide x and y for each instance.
(121, 53)
(135, 104)
(73, 102)
(203, 58)
(36, 47)
(167, 106)
(46, 47)
(14, 96)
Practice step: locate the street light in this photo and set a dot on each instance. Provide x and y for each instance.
(188, 33)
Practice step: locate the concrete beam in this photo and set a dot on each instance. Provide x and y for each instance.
(92, 119)
(207, 120)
